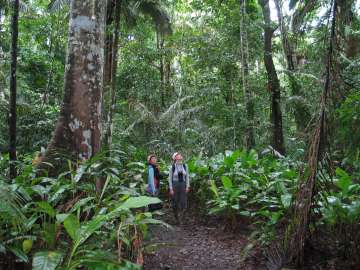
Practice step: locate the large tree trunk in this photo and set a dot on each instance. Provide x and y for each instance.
(12, 114)
(249, 103)
(301, 111)
(273, 82)
(78, 131)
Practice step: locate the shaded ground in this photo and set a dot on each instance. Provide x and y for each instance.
(195, 245)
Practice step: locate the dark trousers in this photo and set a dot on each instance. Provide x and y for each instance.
(179, 200)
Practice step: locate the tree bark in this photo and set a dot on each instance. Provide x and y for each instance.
(301, 111)
(249, 104)
(12, 111)
(273, 82)
(78, 132)
(160, 47)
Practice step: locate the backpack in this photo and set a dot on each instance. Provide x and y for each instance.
(173, 169)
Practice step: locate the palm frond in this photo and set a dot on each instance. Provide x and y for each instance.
(183, 114)
(301, 12)
(159, 15)
(10, 203)
(56, 5)
(23, 7)
(174, 114)
(144, 115)
(173, 108)
(6, 4)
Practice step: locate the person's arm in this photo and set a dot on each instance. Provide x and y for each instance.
(170, 178)
(187, 178)
(151, 180)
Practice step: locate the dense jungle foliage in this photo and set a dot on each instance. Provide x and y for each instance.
(262, 97)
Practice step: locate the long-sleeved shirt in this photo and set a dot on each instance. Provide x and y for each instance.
(179, 167)
(151, 180)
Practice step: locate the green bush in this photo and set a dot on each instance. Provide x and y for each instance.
(64, 224)
(241, 183)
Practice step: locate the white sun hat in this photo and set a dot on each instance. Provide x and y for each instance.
(174, 155)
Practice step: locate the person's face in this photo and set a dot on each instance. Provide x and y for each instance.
(153, 160)
(178, 157)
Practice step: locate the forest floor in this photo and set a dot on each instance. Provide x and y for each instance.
(199, 244)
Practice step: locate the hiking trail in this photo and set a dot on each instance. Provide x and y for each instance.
(197, 244)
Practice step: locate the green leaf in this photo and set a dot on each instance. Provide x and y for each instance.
(61, 217)
(136, 164)
(72, 226)
(90, 227)
(214, 188)
(105, 187)
(46, 208)
(80, 172)
(81, 203)
(245, 213)
(275, 216)
(286, 200)
(230, 160)
(2, 248)
(86, 231)
(19, 254)
(344, 180)
(226, 181)
(140, 201)
(27, 245)
(203, 170)
(46, 260)
(154, 221)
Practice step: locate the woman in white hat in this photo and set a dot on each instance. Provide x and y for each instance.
(179, 185)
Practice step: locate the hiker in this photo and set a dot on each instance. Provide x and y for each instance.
(154, 177)
(179, 185)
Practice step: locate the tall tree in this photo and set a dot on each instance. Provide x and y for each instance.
(249, 103)
(78, 131)
(111, 56)
(130, 11)
(273, 81)
(297, 233)
(301, 111)
(12, 111)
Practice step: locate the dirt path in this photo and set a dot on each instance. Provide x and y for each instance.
(196, 246)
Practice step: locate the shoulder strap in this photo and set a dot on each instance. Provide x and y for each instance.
(172, 171)
(184, 166)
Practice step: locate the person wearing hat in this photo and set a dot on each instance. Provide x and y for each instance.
(153, 175)
(179, 185)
